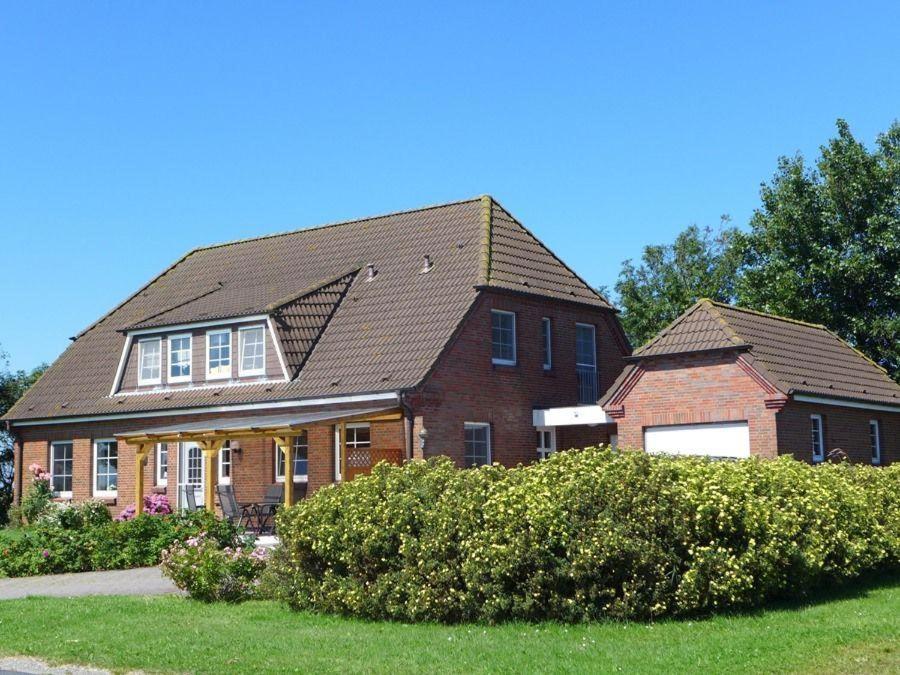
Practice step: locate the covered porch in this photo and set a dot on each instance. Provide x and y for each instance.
(325, 446)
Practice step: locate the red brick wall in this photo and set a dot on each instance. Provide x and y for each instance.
(583, 436)
(697, 388)
(466, 387)
(253, 468)
(842, 427)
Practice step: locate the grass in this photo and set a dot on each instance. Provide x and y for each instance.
(851, 631)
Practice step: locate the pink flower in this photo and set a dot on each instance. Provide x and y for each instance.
(45, 553)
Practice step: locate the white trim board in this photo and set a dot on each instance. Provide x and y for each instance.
(824, 400)
(198, 324)
(563, 417)
(239, 407)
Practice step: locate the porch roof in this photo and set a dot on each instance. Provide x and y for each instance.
(250, 426)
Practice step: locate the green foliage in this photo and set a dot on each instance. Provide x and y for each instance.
(210, 573)
(12, 386)
(582, 536)
(81, 538)
(670, 278)
(825, 244)
(36, 501)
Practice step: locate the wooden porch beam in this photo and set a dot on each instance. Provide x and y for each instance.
(285, 443)
(210, 449)
(140, 461)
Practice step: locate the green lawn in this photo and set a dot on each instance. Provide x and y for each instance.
(854, 632)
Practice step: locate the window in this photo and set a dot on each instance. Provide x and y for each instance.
(586, 363)
(106, 468)
(225, 464)
(547, 343)
(162, 464)
(180, 358)
(875, 441)
(300, 450)
(253, 351)
(61, 468)
(818, 444)
(478, 444)
(218, 354)
(546, 441)
(150, 361)
(359, 435)
(503, 338)
(585, 345)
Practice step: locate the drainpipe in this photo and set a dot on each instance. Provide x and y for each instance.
(408, 420)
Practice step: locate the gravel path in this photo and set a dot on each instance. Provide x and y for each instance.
(25, 664)
(141, 581)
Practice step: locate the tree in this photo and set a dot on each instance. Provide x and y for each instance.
(824, 246)
(12, 386)
(671, 277)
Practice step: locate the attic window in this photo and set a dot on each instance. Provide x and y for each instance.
(253, 351)
(150, 361)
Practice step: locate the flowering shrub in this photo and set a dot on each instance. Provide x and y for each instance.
(210, 573)
(84, 537)
(37, 499)
(584, 535)
(154, 505)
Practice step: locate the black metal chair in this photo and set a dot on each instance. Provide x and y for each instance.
(190, 499)
(267, 508)
(242, 515)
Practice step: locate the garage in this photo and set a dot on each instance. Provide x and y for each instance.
(722, 439)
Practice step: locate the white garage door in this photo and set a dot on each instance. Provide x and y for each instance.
(725, 439)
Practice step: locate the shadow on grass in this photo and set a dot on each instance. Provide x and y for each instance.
(855, 589)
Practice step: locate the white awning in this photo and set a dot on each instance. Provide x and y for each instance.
(563, 417)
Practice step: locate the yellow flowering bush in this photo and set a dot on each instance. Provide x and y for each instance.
(584, 535)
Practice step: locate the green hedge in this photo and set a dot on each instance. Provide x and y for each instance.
(584, 535)
(85, 538)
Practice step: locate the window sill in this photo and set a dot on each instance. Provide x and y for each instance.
(62, 497)
(108, 498)
(253, 373)
(300, 479)
(504, 364)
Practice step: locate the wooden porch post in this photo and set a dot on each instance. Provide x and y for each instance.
(343, 452)
(286, 445)
(210, 449)
(140, 461)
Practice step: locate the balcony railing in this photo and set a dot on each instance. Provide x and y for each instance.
(588, 385)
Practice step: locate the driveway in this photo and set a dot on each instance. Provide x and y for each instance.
(141, 581)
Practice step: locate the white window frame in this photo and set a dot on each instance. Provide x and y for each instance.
(547, 342)
(298, 478)
(242, 331)
(157, 473)
(875, 447)
(223, 479)
(480, 425)
(498, 361)
(542, 451)
(149, 381)
(190, 349)
(104, 493)
(62, 494)
(220, 376)
(816, 423)
(355, 443)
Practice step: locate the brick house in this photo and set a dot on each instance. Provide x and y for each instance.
(725, 381)
(445, 330)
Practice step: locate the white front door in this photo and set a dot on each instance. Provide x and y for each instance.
(721, 439)
(191, 472)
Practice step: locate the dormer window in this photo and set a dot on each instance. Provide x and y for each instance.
(150, 360)
(252, 351)
(180, 358)
(218, 354)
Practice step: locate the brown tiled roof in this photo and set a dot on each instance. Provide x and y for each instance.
(383, 335)
(796, 357)
(300, 322)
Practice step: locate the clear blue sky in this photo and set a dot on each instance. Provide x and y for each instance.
(131, 132)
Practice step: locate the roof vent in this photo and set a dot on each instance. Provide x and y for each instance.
(427, 264)
(371, 272)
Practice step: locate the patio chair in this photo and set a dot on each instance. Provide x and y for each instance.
(269, 505)
(190, 499)
(242, 515)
